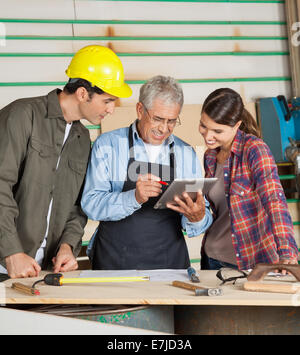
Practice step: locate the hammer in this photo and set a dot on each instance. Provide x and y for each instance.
(199, 291)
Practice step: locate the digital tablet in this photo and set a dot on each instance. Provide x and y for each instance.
(179, 186)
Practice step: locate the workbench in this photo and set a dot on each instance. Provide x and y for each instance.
(235, 312)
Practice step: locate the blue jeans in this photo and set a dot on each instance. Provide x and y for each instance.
(208, 263)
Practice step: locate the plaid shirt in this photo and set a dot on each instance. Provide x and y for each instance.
(262, 229)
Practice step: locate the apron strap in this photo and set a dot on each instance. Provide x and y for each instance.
(130, 139)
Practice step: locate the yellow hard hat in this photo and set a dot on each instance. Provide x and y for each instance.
(102, 68)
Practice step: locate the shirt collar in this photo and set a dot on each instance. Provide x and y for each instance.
(53, 105)
(55, 111)
(238, 143)
(136, 136)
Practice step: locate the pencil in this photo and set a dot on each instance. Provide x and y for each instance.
(25, 289)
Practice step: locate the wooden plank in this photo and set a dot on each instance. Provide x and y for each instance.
(159, 293)
(53, 69)
(292, 14)
(34, 29)
(297, 235)
(195, 93)
(89, 230)
(294, 209)
(290, 288)
(165, 11)
(37, 9)
(175, 30)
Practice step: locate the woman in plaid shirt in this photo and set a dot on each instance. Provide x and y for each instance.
(252, 223)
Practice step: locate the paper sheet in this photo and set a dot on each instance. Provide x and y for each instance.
(155, 275)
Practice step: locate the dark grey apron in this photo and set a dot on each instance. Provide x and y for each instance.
(147, 239)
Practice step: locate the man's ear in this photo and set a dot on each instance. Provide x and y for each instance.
(139, 110)
(82, 94)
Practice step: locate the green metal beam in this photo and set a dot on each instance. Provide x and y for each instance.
(93, 126)
(293, 200)
(208, 1)
(287, 177)
(226, 80)
(133, 82)
(140, 22)
(193, 261)
(152, 54)
(144, 38)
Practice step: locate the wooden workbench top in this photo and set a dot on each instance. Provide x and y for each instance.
(144, 293)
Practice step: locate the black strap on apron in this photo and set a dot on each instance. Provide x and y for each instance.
(3, 277)
(147, 239)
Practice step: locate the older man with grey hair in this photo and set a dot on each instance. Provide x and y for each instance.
(123, 183)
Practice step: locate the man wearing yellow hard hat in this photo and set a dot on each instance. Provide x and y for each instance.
(44, 151)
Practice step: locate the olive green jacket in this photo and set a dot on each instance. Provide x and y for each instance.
(31, 137)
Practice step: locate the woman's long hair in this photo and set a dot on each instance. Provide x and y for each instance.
(225, 106)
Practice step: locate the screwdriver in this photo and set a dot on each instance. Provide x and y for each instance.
(192, 274)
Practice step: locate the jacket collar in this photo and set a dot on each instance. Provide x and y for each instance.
(54, 110)
(53, 106)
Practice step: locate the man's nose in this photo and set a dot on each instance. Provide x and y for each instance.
(110, 107)
(163, 126)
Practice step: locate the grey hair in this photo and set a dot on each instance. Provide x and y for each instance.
(161, 87)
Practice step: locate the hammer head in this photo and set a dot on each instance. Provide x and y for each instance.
(208, 292)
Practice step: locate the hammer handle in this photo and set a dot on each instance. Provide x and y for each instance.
(186, 285)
